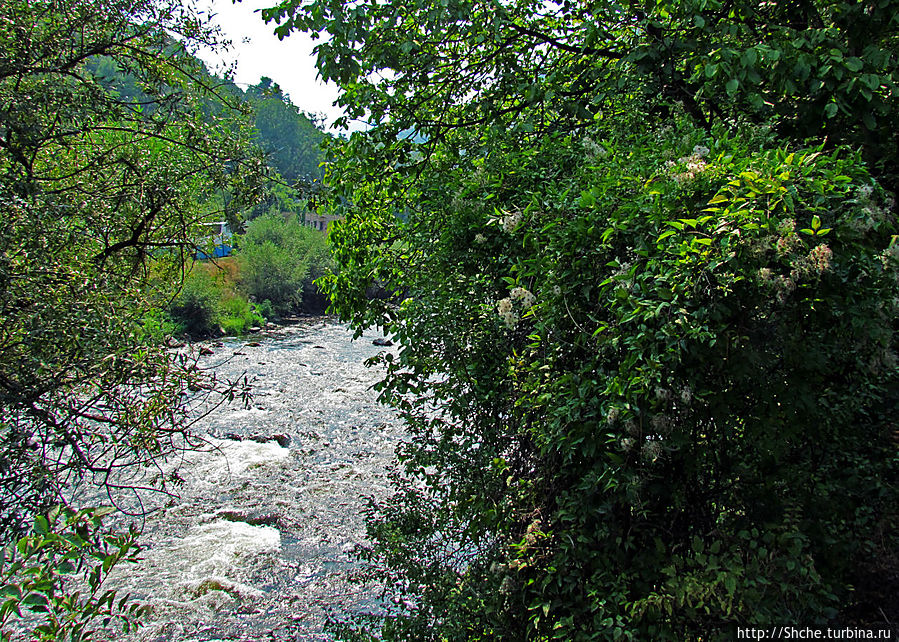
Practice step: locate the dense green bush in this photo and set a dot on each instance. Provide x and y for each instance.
(209, 303)
(236, 315)
(667, 380)
(646, 287)
(195, 309)
(279, 260)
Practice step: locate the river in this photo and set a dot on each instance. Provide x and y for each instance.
(257, 544)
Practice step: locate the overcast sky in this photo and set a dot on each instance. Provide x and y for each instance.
(258, 52)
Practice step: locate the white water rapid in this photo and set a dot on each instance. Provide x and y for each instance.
(257, 544)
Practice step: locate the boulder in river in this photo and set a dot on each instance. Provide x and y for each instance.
(380, 341)
(280, 438)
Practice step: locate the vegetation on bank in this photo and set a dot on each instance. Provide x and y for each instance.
(271, 275)
(645, 268)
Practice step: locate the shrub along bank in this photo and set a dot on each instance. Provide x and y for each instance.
(272, 275)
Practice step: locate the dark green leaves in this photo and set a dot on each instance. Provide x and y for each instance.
(677, 404)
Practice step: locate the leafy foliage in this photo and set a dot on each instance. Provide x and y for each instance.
(291, 140)
(56, 575)
(98, 190)
(279, 261)
(646, 293)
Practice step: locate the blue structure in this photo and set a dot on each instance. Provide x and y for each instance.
(220, 238)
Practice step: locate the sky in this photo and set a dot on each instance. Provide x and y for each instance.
(257, 52)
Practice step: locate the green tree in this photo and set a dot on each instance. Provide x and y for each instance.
(291, 140)
(279, 260)
(101, 197)
(645, 270)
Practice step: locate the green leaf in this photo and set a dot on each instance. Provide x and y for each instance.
(41, 525)
(732, 85)
(853, 64)
(730, 584)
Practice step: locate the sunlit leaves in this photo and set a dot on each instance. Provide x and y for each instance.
(55, 575)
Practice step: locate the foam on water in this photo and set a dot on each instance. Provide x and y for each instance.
(256, 546)
(216, 548)
(229, 457)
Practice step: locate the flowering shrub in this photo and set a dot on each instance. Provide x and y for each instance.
(686, 426)
(671, 378)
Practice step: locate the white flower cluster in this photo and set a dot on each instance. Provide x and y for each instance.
(508, 315)
(871, 214)
(890, 256)
(692, 165)
(820, 257)
(510, 221)
(505, 307)
(661, 423)
(527, 299)
(480, 239)
(651, 450)
(594, 150)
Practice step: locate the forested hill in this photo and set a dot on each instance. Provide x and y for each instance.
(290, 139)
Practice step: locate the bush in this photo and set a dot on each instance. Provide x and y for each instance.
(279, 261)
(159, 324)
(209, 302)
(666, 380)
(236, 315)
(197, 306)
(649, 348)
(56, 574)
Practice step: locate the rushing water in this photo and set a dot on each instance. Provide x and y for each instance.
(257, 544)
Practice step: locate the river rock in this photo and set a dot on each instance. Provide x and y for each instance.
(380, 341)
(172, 342)
(279, 438)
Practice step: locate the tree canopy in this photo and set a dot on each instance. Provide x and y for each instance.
(291, 140)
(642, 260)
(102, 195)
